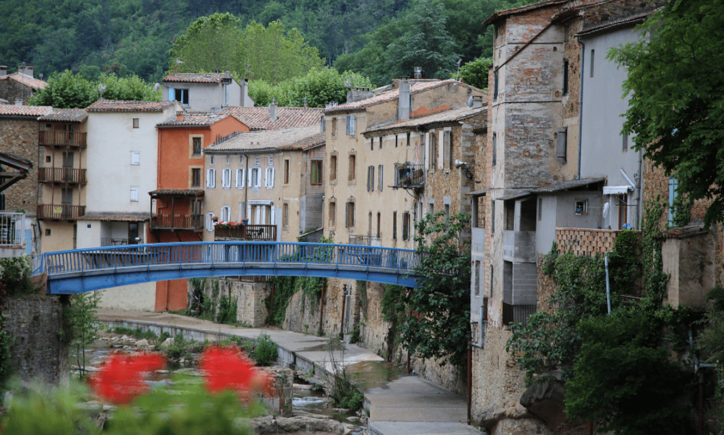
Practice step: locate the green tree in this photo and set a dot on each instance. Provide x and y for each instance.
(66, 90)
(318, 87)
(128, 88)
(438, 324)
(676, 88)
(210, 43)
(475, 72)
(84, 326)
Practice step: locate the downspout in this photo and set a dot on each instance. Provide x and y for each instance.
(580, 106)
(246, 188)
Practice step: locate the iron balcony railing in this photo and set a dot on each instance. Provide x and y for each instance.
(61, 175)
(517, 313)
(409, 175)
(260, 233)
(62, 138)
(193, 222)
(60, 211)
(12, 229)
(230, 254)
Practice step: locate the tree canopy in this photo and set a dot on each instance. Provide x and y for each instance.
(316, 88)
(676, 88)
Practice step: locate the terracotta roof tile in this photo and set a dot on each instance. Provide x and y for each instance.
(28, 81)
(391, 95)
(103, 105)
(15, 111)
(448, 116)
(257, 118)
(65, 115)
(521, 9)
(193, 78)
(194, 119)
(287, 139)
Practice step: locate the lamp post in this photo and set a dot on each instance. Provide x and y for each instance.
(344, 300)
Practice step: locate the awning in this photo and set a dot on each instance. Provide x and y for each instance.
(616, 190)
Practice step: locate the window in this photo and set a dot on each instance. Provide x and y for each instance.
(593, 58)
(406, 225)
(134, 194)
(495, 85)
(315, 177)
(254, 177)
(369, 224)
(408, 139)
(395, 141)
(379, 222)
(285, 214)
(673, 193)
(562, 144)
(349, 215)
(286, 170)
(371, 178)
(350, 125)
(394, 225)
(180, 95)
(195, 146)
(565, 77)
(47, 231)
(447, 210)
(495, 148)
(48, 159)
(332, 168)
(269, 178)
(491, 281)
(332, 213)
(477, 271)
(195, 177)
(431, 206)
(433, 150)
(380, 145)
(334, 127)
(624, 142)
(351, 174)
(379, 178)
(240, 178)
(210, 221)
(225, 213)
(447, 150)
(211, 178)
(226, 178)
(136, 122)
(372, 144)
(135, 158)
(323, 125)
(492, 222)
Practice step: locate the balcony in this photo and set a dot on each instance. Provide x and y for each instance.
(75, 139)
(61, 175)
(12, 229)
(173, 222)
(60, 211)
(519, 246)
(259, 233)
(364, 240)
(409, 176)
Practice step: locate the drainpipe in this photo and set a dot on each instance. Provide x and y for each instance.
(608, 286)
(246, 188)
(470, 380)
(580, 106)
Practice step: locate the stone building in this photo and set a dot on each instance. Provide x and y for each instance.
(201, 92)
(18, 87)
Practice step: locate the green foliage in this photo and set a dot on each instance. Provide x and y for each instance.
(711, 340)
(265, 350)
(440, 306)
(343, 393)
(681, 210)
(210, 43)
(318, 87)
(219, 306)
(181, 349)
(475, 72)
(624, 378)
(84, 326)
(70, 90)
(137, 333)
(15, 276)
(6, 342)
(676, 99)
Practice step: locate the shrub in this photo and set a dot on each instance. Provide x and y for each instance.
(265, 350)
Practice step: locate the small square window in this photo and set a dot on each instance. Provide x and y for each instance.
(135, 122)
(195, 146)
(195, 177)
(134, 194)
(47, 231)
(135, 158)
(48, 159)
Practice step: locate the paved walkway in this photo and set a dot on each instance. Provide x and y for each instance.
(407, 405)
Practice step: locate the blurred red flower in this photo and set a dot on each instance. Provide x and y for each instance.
(227, 368)
(120, 378)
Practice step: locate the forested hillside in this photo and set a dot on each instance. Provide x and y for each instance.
(135, 36)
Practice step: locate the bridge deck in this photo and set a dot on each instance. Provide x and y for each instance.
(82, 270)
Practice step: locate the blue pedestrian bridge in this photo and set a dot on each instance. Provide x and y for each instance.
(82, 270)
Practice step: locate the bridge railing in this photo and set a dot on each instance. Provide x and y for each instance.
(403, 261)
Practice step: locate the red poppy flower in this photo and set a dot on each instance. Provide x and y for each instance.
(120, 378)
(227, 368)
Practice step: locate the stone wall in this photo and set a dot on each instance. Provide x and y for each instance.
(249, 295)
(39, 350)
(20, 137)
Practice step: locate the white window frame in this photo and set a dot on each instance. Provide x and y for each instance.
(134, 193)
(225, 213)
(135, 158)
(240, 178)
(254, 176)
(210, 178)
(226, 178)
(210, 221)
(269, 178)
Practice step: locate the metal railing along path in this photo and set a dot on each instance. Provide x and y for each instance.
(81, 270)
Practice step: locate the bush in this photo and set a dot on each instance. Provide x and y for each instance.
(265, 350)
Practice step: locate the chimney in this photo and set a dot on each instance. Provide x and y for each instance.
(226, 78)
(180, 115)
(26, 69)
(404, 102)
(3, 70)
(245, 94)
(417, 71)
(273, 110)
(477, 101)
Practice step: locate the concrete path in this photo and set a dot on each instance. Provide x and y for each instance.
(407, 405)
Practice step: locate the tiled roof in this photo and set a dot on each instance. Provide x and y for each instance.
(193, 119)
(447, 116)
(193, 78)
(28, 81)
(176, 192)
(111, 217)
(277, 140)
(16, 111)
(103, 105)
(65, 115)
(522, 9)
(391, 95)
(257, 118)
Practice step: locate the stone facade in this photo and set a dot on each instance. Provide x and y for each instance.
(20, 137)
(249, 296)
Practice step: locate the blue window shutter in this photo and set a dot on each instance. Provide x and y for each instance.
(673, 184)
(171, 94)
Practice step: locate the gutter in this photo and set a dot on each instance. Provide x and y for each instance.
(580, 105)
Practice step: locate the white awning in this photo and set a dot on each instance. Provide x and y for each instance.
(616, 190)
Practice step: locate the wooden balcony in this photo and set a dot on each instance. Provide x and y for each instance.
(175, 222)
(260, 233)
(61, 175)
(75, 139)
(63, 212)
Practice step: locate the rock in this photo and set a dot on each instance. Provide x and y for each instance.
(167, 342)
(306, 423)
(544, 399)
(142, 343)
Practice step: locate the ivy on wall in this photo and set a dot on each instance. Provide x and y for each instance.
(218, 306)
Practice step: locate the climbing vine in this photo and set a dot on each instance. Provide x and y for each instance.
(218, 306)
